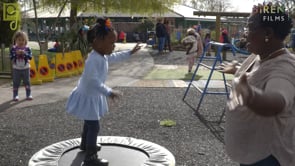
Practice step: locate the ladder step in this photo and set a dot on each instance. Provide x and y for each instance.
(198, 88)
(206, 66)
(228, 85)
(208, 92)
(216, 93)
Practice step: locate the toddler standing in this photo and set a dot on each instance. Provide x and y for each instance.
(88, 100)
(194, 46)
(21, 54)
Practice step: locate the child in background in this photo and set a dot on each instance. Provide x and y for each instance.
(88, 100)
(121, 36)
(207, 40)
(194, 46)
(56, 47)
(21, 54)
(168, 36)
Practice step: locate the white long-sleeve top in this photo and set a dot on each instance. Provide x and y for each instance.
(88, 99)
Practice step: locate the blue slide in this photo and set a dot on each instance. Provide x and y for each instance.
(242, 51)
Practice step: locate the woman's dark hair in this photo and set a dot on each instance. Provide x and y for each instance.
(99, 30)
(273, 16)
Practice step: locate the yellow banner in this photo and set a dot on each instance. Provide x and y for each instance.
(11, 11)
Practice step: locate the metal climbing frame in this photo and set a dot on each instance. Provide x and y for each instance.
(217, 60)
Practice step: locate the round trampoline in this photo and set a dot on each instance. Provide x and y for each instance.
(119, 151)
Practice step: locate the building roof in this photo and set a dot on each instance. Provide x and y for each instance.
(53, 13)
(176, 11)
(188, 13)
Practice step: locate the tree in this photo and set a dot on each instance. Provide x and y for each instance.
(290, 6)
(211, 5)
(147, 7)
(125, 6)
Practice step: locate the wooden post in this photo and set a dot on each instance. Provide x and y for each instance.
(217, 28)
(2, 55)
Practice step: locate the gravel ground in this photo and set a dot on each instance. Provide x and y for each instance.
(194, 141)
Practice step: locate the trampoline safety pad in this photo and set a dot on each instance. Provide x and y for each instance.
(119, 151)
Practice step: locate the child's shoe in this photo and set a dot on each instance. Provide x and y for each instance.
(30, 97)
(94, 161)
(16, 98)
(83, 147)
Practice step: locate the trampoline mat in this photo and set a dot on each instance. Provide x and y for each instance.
(119, 151)
(115, 154)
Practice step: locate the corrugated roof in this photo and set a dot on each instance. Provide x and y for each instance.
(53, 12)
(177, 11)
(47, 13)
(167, 14)
(188, 13)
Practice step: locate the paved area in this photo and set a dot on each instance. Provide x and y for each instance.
(128, 73)
(121, 74)
(28, 126)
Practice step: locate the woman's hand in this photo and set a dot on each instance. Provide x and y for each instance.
(228, 68)
(135, 48)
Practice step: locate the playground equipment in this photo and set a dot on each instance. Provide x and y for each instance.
(217, 60)
(239, 50)
(119, 151)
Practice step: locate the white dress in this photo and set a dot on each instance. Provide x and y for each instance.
(88, 99)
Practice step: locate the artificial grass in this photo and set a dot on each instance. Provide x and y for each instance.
(180, 73)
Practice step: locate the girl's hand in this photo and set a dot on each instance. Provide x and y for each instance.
(20, 52)
(136, 48)
(115, 94)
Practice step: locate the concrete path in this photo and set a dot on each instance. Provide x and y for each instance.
(120, 74)
(127, 73)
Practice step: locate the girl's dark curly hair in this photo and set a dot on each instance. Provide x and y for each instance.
(99, 30)
(273, 16)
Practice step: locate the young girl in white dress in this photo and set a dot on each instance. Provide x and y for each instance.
(88, 100)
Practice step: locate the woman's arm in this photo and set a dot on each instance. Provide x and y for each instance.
(278, 94)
